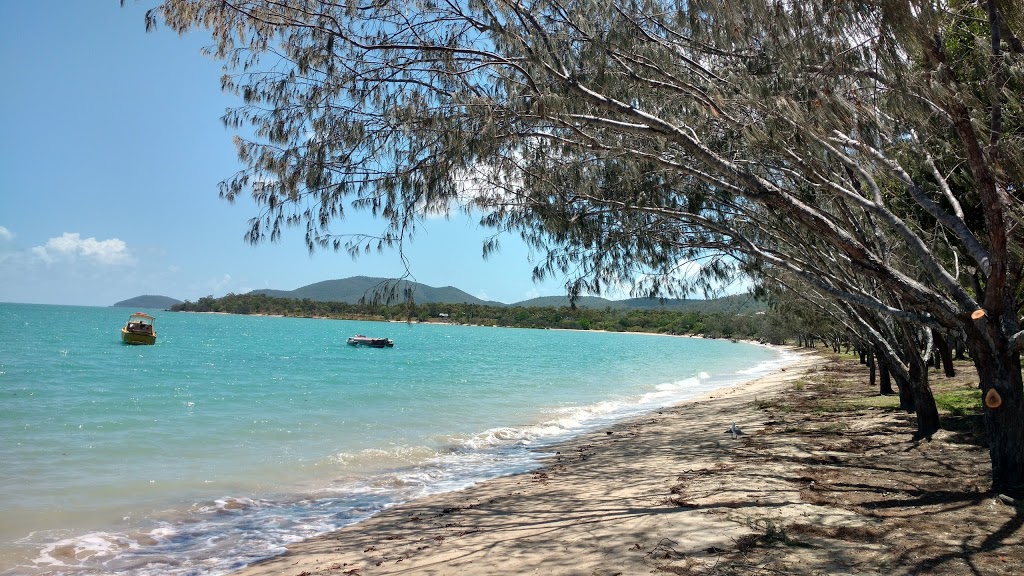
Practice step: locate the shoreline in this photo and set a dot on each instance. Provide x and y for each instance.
(437, 322)
(514, 524)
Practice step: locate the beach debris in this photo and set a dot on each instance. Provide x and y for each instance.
(1009, 500)
(665, 550)
(735, 431)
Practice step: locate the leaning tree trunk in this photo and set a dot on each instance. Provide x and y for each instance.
(904, 384)
(906, 397)
(924, 400)
(915, 393)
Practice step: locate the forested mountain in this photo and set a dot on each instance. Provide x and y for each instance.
(581, 302)
(352, 290)
(148, 301)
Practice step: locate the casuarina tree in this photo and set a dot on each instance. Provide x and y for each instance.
(630, 135)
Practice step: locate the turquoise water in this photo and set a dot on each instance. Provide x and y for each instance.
(236, 435)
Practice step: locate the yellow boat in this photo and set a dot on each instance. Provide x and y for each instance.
(139, 329)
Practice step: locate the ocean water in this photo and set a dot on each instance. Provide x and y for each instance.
(234, 436)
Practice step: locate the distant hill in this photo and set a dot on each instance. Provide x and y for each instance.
(148, 301)
(595, 302)
(352, 290)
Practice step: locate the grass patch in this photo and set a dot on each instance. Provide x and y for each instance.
(961, 402)
(951, 402)
(775, 405)
(833, 407)
(887, 403)
(884, 402)
(826, 384)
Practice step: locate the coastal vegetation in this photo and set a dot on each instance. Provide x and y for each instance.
(711, 321)
(861, 160)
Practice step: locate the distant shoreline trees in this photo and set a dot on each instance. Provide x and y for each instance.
(758, 324)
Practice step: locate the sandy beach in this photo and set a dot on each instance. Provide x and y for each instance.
(800, 491)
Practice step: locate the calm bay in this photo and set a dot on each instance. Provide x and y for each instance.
(236, 435)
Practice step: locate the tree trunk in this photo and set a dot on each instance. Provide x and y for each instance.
(903, 386)
(884, 379)
(960, 349)
(945, 353)
(915, 393)
(1005, 422)
(869, 359)
(924, 400)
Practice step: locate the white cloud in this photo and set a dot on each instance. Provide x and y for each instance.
(219, 284)
(6, 235)
(482, 294)
(71, 247)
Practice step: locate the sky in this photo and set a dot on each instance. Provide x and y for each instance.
(112, 149)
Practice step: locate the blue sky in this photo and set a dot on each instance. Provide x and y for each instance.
(112, 151)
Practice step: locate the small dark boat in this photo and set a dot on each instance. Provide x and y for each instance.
(360, 340)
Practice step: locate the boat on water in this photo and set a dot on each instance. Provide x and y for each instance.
(139, 329)
(360, 340)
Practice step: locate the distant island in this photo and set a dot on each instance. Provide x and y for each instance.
(149, 301)
(364, 288)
